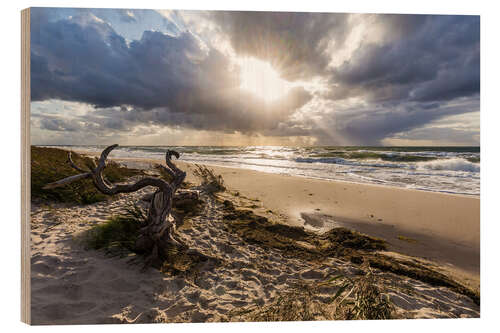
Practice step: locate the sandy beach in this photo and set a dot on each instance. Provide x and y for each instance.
(443, 228)
(71, 284)
(436, 226)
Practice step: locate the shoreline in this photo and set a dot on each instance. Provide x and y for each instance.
(441, 174)
(442, 228)
(153, 160)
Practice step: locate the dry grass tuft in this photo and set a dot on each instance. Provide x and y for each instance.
(211, 182)
(117, 236)
(355, 299)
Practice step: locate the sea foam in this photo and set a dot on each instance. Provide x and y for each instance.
(453, 164)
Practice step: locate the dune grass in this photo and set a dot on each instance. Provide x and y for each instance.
(358, 298)
(117, 235)
(51, 164)
(211, 182)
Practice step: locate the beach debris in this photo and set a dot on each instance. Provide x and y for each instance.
(157, 236)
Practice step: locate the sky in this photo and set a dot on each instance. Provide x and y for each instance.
(170, 77)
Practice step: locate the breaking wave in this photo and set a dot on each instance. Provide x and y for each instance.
(453, 164)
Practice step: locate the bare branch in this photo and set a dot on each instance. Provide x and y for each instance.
(105, 187)
(73, 165)
(67, 180)
(168, 161)
(166, 170)
(160, 226)
(179, 175)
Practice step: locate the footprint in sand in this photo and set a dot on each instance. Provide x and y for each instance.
(193, 297)
(271, 271)
(220, 290)
(248, 274)
(205, 302)
(200, 317)
(283, 278)
(203, 283)
(312, 275)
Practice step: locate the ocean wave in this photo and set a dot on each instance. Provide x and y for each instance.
(453, 164)
(449, 170)
(333, 160)
(384, 156)
(351, 163)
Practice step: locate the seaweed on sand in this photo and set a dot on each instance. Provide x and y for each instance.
(338, 242)
(295, 241)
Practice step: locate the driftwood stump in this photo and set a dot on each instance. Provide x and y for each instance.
(158, 232)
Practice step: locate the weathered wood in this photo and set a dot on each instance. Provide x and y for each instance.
(159, 229)
(180, 196)
(67, 180)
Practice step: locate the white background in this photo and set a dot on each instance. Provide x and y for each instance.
(490, 127)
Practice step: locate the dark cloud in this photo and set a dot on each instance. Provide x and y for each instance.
(82, 59)
(372, 124)
(435, 59)
(59, 124)
(227, 112)
(295, 43)
(423, 68)
(457, 136)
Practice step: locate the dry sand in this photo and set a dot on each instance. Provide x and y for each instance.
(73, 285)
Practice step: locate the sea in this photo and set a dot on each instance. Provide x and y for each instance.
(439, 169)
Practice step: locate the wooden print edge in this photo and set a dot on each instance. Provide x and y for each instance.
(25, 168)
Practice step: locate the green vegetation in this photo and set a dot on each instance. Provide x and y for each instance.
(407, 239)
(117, 235)
(51, 164)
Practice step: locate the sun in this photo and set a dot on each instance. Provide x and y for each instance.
(262, 80)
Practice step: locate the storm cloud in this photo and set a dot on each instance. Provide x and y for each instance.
(83, 59)
(436, 60)
(357, 79)
(295, 43)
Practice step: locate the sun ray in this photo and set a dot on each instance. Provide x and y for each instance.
(261, 79)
